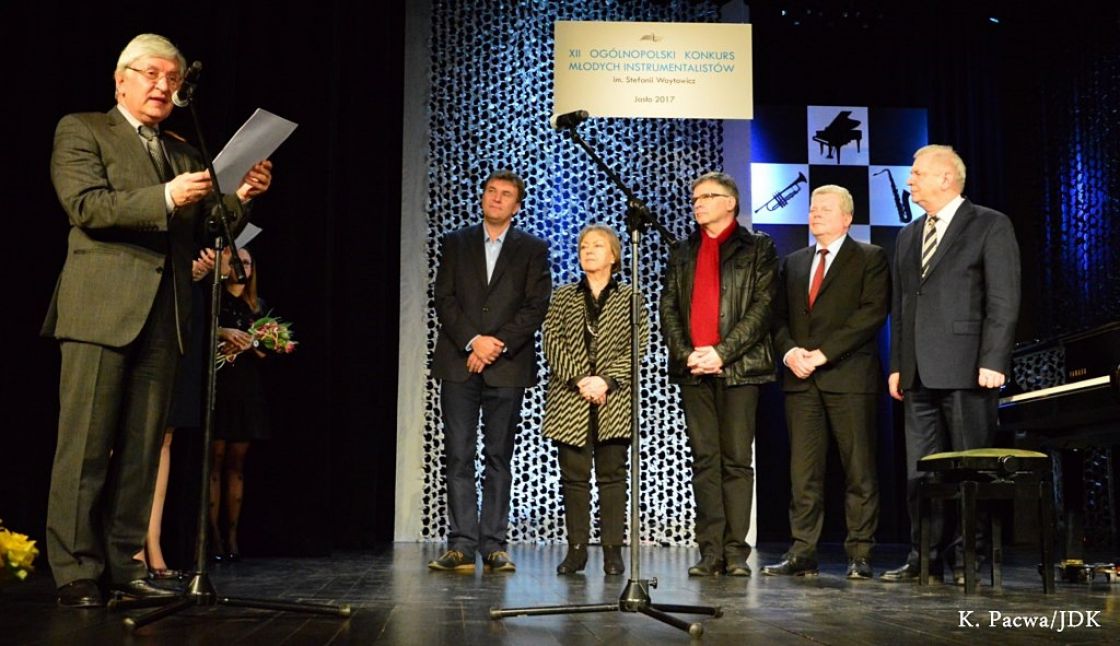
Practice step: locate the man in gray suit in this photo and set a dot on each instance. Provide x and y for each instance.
(491, 294)
(954, 305)
(136, 202)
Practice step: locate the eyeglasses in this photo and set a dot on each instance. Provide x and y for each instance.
(174, 80)
(705, 196)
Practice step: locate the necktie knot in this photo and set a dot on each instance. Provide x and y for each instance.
(148, 133)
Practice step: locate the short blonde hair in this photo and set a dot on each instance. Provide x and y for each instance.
(847, 204)
(149, 45)
(950, 156)
(612, 241)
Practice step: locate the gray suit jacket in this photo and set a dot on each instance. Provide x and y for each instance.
(962, 316)
(845, 320)
(120, 232)
(511, 306)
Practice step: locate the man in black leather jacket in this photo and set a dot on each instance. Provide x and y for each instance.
(715, 317)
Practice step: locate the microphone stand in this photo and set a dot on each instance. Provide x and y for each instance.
(200, 590)
(635, 596)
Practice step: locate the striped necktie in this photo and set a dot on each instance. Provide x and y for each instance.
(155, 151)
(929, 243)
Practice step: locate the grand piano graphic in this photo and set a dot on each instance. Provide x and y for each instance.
(840, 132)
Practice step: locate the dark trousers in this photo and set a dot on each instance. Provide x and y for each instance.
(469, 529)
(609, 458)
(943, 420)
(851, 417)
(720, 420)
(112, 406)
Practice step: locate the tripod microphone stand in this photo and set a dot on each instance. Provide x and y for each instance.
(635, 596)
(200, 590)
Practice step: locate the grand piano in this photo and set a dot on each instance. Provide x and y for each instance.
(1065, 400)
(840, 132)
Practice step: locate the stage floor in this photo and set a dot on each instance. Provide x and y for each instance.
(396, 600)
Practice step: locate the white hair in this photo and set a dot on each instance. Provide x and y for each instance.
(150, 45)
(949, 155)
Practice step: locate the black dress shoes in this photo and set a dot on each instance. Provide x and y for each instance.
(82, 593)
(736, 565)
(910, 573)
(793, 566)
(612, 560)
(859, 569)
(707, 566)
(574, 561)
(141, 589)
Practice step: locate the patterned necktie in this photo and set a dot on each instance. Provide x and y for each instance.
(818, 278)
(929, 243)
(155, 151)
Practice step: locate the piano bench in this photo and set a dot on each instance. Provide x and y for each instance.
(985, 475)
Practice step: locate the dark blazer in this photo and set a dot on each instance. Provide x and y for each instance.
(962, 316)
(748, 268)
(120, 233)
(511, 307)
(850, 309)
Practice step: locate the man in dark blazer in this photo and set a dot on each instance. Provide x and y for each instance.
(491, 295)
(954, 307)
(832, 301)
(136, 202)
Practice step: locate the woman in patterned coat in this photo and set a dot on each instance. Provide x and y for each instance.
(587, 405)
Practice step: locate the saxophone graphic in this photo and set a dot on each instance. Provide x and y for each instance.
(901, 200)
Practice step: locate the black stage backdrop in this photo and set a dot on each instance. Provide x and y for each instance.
(329, 256)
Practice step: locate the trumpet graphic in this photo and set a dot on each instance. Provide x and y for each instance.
(782, 197)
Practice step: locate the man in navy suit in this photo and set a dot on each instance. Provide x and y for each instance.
(832, 301)
(492, 293)
(953, 312)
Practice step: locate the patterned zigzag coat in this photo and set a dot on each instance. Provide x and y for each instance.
(567, 416)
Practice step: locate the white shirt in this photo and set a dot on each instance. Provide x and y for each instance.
(945, 216)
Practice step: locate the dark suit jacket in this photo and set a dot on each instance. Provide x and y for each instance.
(962, 316)
(120, 232)
(845, 320)
(511, 307)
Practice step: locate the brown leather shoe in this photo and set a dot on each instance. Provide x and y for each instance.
(498, 562)
(452, 561)
(707, 566)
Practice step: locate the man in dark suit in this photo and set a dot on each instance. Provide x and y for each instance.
(953, 312)
(136, 203)
(715, 318)
(832, 300)
(492, 292)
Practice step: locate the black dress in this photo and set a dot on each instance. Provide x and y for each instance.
(240, 413)
(186, 398)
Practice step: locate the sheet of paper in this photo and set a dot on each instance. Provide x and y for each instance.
(254, 141)
(247, 234)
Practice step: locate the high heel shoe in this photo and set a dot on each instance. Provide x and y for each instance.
(575, 560)
(612, 560)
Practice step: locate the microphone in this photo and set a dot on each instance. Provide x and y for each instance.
(182, 97)
(568, 119)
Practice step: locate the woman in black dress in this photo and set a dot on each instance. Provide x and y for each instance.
(240, 414)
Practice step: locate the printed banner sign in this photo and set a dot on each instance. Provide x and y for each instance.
(654, 69)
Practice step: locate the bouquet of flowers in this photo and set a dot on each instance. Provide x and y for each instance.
(269, 333)
(17, 554)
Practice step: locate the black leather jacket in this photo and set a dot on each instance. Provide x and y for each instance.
(748, 269)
